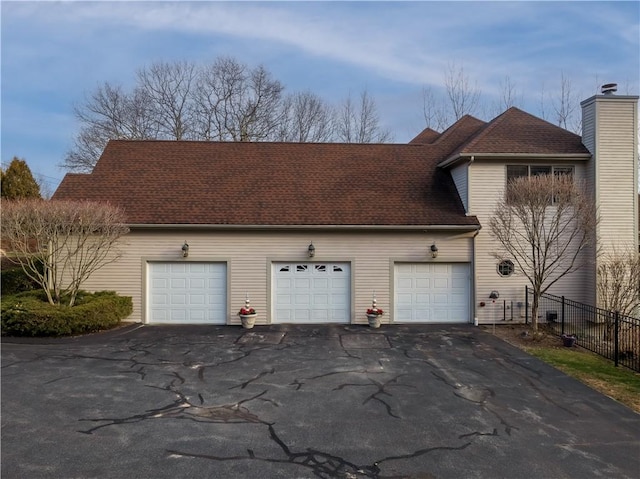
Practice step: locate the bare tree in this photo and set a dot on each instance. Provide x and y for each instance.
(59, 244)
(433, 111)
(618, 282)
(224, 101)
(562, 105)
(359, 122)
(460, 98)
(168, 87)
(463, 97)
(565, 104)
(236, 103)
(509, 97)
(543, 224)
(110, 113)
(306, 118)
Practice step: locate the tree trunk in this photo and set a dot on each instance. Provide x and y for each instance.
(534, 310)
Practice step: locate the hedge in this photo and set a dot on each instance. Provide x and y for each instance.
(15, 280)
(29, 314)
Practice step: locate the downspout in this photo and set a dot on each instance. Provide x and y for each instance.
(471, 160)
(473, 246)
(473, 267)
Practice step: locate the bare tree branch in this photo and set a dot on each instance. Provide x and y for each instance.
(359, 123)
(59, 244)
(543, 224)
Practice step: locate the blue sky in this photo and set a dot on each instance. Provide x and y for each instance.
(55, 53)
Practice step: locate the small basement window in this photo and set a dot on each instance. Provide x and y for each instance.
(505, 267)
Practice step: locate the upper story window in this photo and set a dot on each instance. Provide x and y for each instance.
(518, 171)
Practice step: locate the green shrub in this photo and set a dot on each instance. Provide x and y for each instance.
(29, 314)
(14, 280)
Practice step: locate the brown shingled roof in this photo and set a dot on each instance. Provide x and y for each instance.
(516, 131)
(217, 183)
(193, 182)
(425, 137)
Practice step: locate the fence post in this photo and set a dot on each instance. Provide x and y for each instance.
(616, 346)
(562, 314)
(526, 305)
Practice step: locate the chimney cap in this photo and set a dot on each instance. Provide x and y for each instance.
(609, 88)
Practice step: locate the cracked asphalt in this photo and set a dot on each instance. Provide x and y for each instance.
(424, 401)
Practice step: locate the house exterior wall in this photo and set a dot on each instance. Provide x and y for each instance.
(460, 176)
(487, 182)
(249, 255)
(610, 133)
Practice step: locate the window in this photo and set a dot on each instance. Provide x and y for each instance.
(505, 267)
(518, 171)
(321, 268)
(301, 268)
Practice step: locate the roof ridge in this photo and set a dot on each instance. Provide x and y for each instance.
(487, 128)
(455, 126)
(230, 142)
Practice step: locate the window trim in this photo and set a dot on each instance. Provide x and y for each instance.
(508, 263)
(554, 171)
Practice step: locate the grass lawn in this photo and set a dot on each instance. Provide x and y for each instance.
(619, 383)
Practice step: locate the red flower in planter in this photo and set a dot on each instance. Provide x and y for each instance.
(376, 311)
(246, 311)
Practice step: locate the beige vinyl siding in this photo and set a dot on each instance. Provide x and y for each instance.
(610, 134)
(487, 181)
(250, 254)
(460, 175)
(616, 183)
(589, 141)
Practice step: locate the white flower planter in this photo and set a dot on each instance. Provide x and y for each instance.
(374, 320)
(248, 320)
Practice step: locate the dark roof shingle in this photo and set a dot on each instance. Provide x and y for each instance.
(193, 182)
(287, 184)
(516, 131)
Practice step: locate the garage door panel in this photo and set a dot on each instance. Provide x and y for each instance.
(418, 268)
(422, 298)
(189, 292)
(311, 292)
(320, 299)
(178, 299)
(441, 283)
(320, 315)
(302, 300)
(196, 299)
(432, 292)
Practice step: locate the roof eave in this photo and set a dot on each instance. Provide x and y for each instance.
(143, 226)
(466, 157)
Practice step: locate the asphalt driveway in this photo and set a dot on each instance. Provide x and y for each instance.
(302, 402)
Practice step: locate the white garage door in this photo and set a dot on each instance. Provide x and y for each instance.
(432, 293)
(187, 293)
(312, 293)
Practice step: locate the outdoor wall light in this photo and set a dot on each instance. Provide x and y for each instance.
(311, 250)
(434, 251)
(494, 295)
(185, 250)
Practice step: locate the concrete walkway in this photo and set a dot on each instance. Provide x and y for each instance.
(303, 402)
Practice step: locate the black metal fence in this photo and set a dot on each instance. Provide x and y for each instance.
(607, 333)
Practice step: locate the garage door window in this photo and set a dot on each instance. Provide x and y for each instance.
(311, 293)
